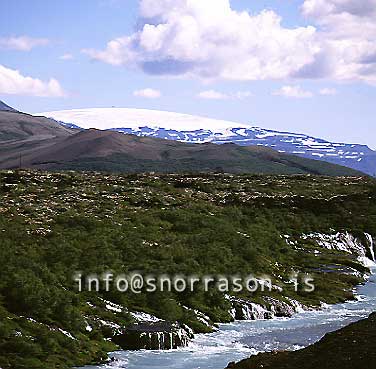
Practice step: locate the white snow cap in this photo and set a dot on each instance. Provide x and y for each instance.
(105, 118)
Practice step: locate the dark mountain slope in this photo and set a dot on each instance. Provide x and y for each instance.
(112, 151)
(195, 129)
(15, 126)
(22, 134)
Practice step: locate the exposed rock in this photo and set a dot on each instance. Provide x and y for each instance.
(279, 308)
(246, 310)
(346, 242)
(153, 336)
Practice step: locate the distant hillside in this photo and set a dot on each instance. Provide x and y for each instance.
(38, 142)
(115, 152)
(194, 129)
(15, 126)
(22, 134)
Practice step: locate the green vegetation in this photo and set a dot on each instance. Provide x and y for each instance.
(237, 159)
(54, 224)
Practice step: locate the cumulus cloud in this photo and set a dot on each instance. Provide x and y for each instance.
(243, 95)
(325, 8)
(216, 95)
(22, 43)
(210, 40)
(212, 95)
(347, 39)
(328, 91)
(14, 83)
(147, 93)
(66, 57)
(118, 52)
(293, 92)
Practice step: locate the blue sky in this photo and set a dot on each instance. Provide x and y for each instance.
(294, 75)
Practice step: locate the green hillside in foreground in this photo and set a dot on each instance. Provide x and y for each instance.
(54, 224)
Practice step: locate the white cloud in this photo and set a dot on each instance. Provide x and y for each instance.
(118, 52)
(243, 95)
(325, 8)
(209, 40)
(216, 95)
(328, 91)
(14, 83)
(22, 43)
(66, 57)
(347, 39)
(293, 92)
(212, 95)
(147, 93)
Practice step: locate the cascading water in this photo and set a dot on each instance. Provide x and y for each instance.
(242, 339)
(372, 250)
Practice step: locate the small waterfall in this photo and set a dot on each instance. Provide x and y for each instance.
(370, 241)
(298, 307)
(246, 310)
(160, 336)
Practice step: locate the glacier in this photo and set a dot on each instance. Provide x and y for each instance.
(195, 129)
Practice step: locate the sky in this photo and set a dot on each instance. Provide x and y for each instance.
(306, 66)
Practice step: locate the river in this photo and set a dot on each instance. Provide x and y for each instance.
(242, 339)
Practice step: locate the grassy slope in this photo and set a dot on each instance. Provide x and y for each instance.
(230, 159)
(53, 224)
(244, 163)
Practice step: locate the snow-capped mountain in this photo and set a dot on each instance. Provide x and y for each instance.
(106, 118)
(193, 129)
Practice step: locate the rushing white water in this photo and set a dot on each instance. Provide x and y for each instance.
(242, 339)
(370, 240)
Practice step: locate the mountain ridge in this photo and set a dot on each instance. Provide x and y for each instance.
(34, 141)
(42, 143)
(192, 129)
